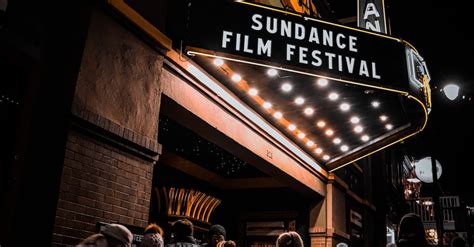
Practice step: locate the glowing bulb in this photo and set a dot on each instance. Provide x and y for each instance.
(253, 91)
(236, 77)
(272, 72)
(375, 104)
(309, 143)
(299, 101)
(318, 151)
(451, 91)
(365, 138)
(344, 148)
(389, 126)
(333, 96)
(336, 140)
(355, 120)
(301, 135)
(322, 82)
(218, 62)
(358, 129)
(329, 132)
(383, 118)
(345, 107)
(321, 124)
(277, 115)
(308, 111)
(286, 87)
(267, 105)
(326, 157)
(291, 127)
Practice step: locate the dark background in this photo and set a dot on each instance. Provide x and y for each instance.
(442, 33)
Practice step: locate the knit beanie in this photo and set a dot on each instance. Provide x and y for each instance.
(217, 230)
(118, 232)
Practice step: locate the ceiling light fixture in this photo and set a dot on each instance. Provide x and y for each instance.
(333, 96)
(308, 111)
(272, 72)
(322, 82)
(329, 132)
(321, 124)
(236, 77)
(291, 127)
(345, 106)
(286, 87)
(253, 91)
(278, 115)
(218, 62)
(299, 101)
(358, 129)
(355, 120)
(375, 104)
(267, 105)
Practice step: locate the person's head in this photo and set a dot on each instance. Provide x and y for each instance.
(228, 243)
(289, 239)
(182, 229)
(216, 234)
(152, 236)
(411, 231)
(117, 235)
(458, 242)
(154, 228)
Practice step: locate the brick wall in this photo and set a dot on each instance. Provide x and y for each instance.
(100, 183)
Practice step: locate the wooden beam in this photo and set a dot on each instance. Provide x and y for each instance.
(195, 170)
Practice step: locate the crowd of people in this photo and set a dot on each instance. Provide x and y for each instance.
(411, 233)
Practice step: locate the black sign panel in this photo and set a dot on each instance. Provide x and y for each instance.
(371, 15)
(292, 41)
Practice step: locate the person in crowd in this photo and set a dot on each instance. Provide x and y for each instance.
(215, 235)
(112, 235)
(182, 231)
(458, 242)
(289, 239)
(228, 243)
(411, 232)
(152, 236)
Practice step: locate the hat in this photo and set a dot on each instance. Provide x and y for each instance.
(118, 232)
(289, 239)
(217, 230)
(152, 240)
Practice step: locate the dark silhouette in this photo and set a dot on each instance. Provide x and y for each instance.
(458, 242)
(182, 231)
(289, 239)
(215, 235)
(411, 232)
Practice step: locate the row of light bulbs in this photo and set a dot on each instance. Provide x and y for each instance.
(333, 96)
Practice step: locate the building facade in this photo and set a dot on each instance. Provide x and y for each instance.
(107, 123)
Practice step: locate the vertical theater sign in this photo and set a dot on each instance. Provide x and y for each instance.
(371, 15)
(335, 93)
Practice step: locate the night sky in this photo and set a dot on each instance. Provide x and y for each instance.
(442, 34)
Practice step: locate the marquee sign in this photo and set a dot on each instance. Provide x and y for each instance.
(338, 93)
(296, 42)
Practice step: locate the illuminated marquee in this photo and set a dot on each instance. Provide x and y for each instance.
(299, 43)
(338, 93)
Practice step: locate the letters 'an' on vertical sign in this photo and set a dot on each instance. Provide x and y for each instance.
(371, 15)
